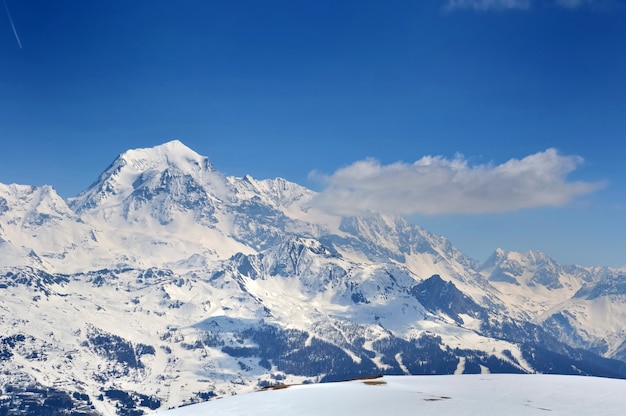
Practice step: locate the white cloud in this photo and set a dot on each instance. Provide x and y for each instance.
(435, 185)
(487, 4)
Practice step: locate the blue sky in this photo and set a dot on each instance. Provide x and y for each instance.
(318, 91)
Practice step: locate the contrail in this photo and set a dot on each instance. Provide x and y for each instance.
(12, 24)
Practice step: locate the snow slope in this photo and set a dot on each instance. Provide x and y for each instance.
(483, 395)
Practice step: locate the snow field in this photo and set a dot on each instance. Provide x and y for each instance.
(482, 394)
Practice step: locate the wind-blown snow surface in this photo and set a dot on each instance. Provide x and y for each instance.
(484, 395)
(167, 283)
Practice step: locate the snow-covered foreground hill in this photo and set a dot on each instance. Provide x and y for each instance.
(484, 395)
(167, 283)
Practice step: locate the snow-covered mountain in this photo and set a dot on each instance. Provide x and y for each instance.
(166, 283)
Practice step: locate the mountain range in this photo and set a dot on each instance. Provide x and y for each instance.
(166, 283)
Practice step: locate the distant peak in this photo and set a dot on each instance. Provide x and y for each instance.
(21, 190)
(165, 149)
(500, 254)
(172, 153)
(174, 142)
(173, 146)
(136, 166)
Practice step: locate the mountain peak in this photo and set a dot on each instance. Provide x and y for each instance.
(29, 199)
(120, 178)
(171, 154)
